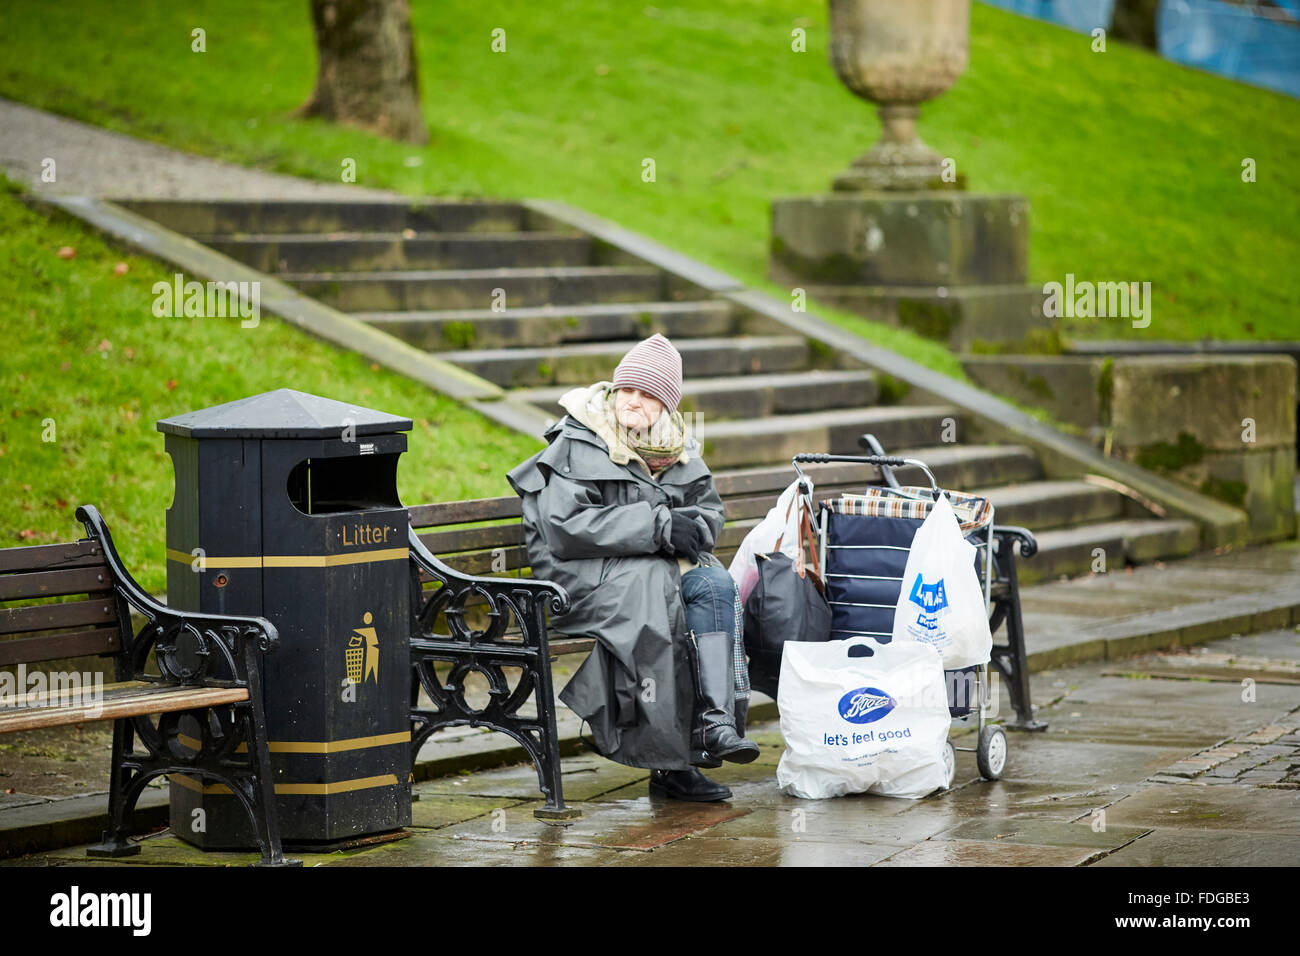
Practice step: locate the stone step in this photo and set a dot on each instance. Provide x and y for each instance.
(1044, 505)
(392, 251)
(235, 216)
(747, 396)
(590, 362)
(539, 326)
(1073, 551)
(963, 467)
(777, 438)
(476, 288)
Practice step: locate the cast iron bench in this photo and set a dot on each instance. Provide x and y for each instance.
(482, 537)
(179, 665)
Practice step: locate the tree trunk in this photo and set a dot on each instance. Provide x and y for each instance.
(1135, 22)
(367, 74)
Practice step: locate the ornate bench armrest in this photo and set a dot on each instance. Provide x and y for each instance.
(233, 640)
(426, 560)
(1009, 534)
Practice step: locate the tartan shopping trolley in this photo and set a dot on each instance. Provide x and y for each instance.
(863, 542)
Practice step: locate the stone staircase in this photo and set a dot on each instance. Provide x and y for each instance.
(515, 298)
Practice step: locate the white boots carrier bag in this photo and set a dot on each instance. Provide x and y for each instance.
(854, 724)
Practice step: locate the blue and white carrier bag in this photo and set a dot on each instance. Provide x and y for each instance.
(857, 724)
(941, 603)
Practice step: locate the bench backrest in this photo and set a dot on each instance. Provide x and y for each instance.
(486, 535)
(34, 628)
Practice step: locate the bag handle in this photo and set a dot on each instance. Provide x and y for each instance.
(806, 537)
(777, 547)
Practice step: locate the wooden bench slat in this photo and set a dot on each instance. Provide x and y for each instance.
(118, 690)
(43, 617)
(53, 647)
(159, 700)
(474, 539)
(570, 645)
(455, 512)
(18, 587)
(39, 557)
(481, 562)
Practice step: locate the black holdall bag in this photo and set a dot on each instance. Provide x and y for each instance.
(787, 604)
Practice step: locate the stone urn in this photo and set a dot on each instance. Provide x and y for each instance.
(898, 54)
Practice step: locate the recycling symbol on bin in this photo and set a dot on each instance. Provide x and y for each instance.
(362, 657)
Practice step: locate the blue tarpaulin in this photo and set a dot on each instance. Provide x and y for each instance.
(1250, 43)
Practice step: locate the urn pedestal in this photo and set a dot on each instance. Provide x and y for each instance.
(899, 241)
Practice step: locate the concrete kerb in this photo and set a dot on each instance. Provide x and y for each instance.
(199, 262)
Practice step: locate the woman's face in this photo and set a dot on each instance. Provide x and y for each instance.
(635, 410)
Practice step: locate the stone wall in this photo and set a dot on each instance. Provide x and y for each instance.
(1222, 424)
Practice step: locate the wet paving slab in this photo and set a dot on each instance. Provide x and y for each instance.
(977, 853)
(439, 851)
(642, 824)
(863, 820)
(1165, 713)
(165, 849)
(1039, 832)
(1083, 762)
(1196, 807)
(709, 850)
(582, 777)
(432, 811)
(1207, 848)
(1006, 798)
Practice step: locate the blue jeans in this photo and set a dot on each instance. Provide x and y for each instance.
(709, 598)
(709, 595)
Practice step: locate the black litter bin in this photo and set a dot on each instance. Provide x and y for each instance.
(286, 506)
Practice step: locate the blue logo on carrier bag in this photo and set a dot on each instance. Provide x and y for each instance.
(866, 704)
(931, 599)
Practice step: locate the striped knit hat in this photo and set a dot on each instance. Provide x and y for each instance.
(654, 367)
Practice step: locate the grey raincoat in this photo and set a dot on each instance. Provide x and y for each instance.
(595, 527)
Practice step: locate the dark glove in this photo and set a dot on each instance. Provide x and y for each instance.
(686, 537)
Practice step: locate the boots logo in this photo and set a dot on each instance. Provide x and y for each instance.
(866, 705)
(362, 654)
(931, 599)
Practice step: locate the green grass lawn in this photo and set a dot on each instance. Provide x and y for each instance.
(1132, 164)
(88, 366)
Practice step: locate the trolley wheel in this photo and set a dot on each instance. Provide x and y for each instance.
(949, 763)
(991, 754)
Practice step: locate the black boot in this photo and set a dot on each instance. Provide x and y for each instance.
(714, 737)
(686, 785)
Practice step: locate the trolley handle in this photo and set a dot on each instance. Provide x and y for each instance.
(886, 460)
(865, 459)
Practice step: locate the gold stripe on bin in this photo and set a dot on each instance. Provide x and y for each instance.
(312, 789)
(293, 560)
(315, 746)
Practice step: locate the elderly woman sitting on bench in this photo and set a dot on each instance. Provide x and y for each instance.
(621, 510)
